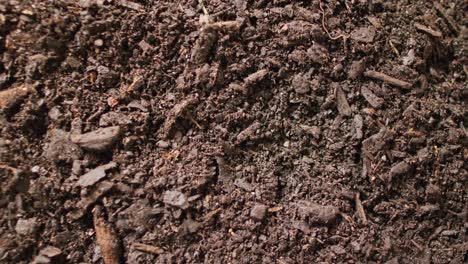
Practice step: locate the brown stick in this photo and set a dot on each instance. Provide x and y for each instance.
(428, 30)
(148, 248)
(107, 239)
(388, 79)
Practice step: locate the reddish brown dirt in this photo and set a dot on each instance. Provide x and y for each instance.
(267, 132)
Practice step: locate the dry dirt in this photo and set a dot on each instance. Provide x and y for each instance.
(271, 131)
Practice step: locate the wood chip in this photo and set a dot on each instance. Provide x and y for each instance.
(107, 239)
(388, 79)
(341, 102)
(147, 248)
(427, 30)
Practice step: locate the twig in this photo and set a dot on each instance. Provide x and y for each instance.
(148, 248)
(388, 79)
(344, 37)
(428, 30)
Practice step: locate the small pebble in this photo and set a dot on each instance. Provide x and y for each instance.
(98, 43)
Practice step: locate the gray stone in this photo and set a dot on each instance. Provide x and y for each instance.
(163, 144)
(26, 226)
(51, 252)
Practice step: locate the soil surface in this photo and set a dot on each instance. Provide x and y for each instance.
(278, 131)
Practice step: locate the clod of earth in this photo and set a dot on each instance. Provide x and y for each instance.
(358, 126)
(241, 183)
(208, 37)
(400, 169)
(364, 34)
(258, 212)
(98, 140)
(316, 213)
(253, 79)
(189, 226)
(248, 133)
(12, 96)
(176, 112)
(14, 181)
(61, 148)
(356, 69)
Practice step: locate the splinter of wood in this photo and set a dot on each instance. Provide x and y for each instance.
(388, 79)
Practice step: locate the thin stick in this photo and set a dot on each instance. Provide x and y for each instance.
(203, 7)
